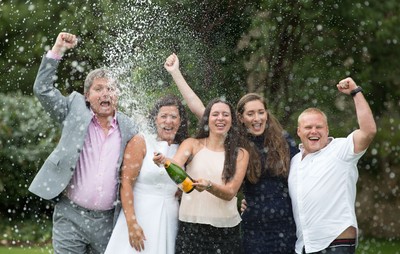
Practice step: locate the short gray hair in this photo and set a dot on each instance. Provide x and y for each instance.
(94, 74)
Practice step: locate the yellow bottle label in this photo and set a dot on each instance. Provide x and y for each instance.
(187, 185)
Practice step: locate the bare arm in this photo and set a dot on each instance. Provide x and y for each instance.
(133, 159)
(193, 101)
(181, 156)
(223, 191)
(367, 127)
(228, 190)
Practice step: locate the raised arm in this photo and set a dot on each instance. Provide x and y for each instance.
(367, 127)
(133, 158)
(49, 96)
(193, 101)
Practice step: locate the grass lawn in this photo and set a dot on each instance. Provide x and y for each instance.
(366, 246)
(25, 250)
(378, 246)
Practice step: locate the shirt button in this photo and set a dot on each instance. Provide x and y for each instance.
(162, 172)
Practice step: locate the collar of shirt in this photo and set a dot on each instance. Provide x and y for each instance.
(113, 124)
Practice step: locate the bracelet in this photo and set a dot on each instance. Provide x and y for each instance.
(355, 91)
(209, 186)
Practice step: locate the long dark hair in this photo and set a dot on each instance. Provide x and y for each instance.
(278, 157)
(233, 142)
(171, 100)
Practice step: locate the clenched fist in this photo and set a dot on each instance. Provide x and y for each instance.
(64, 42)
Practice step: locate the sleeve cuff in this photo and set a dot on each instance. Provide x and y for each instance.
(51, 54)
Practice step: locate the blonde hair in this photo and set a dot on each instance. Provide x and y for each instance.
(312, 111)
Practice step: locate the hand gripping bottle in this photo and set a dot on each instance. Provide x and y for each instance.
(179, 176)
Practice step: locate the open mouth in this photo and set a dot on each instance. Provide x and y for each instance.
(220, 126)
(168, 129)
(257, 127)
(105, 103)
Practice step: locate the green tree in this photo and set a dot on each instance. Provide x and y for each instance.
(27, 136)
(30, 30)
(296, 51)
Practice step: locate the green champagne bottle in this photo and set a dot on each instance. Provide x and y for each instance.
(179, 176)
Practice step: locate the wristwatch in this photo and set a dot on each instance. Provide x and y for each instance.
(355, 91)
(209, 185)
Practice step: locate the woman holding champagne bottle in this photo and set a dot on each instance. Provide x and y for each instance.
(217, 161)
(149, 220)
(268, 224)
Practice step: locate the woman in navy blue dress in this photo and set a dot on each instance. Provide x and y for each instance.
(268, 225)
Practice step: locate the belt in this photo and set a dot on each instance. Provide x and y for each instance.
(337, 243)
(342, 242)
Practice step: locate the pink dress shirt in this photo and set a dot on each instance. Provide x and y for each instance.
(94, 184)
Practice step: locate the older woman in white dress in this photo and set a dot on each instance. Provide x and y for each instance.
(149, 218)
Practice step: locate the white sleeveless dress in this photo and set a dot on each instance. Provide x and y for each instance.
(156, 207)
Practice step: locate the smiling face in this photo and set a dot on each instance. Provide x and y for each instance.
(254, 117)
(313, 131)
(220, 119)
(167, 122)
(102, 97)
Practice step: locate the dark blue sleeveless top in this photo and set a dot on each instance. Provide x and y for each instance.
(267, 223)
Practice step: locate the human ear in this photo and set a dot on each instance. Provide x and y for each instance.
(240, 117)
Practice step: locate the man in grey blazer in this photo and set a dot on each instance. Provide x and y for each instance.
(82, 173)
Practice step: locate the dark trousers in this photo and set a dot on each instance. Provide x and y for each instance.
(194, 238)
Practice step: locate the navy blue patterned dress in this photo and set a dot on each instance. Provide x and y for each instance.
(267, 223)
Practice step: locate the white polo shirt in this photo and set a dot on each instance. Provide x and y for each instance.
(322, 187)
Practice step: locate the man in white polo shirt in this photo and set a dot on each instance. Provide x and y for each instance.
(323, 177)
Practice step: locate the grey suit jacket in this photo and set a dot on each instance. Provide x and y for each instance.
(74, 116)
